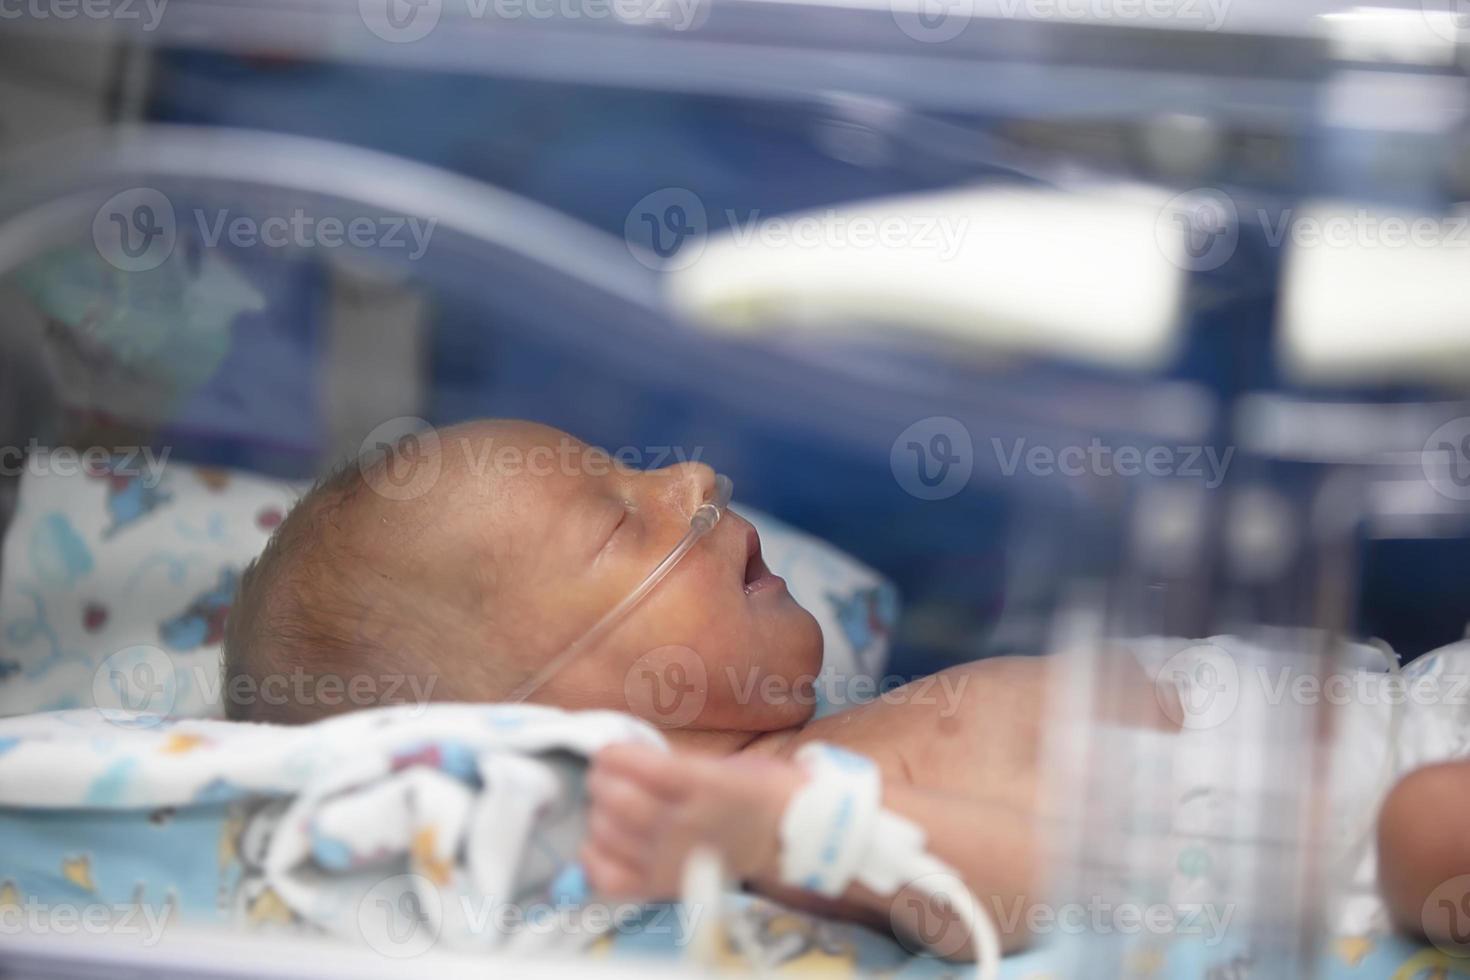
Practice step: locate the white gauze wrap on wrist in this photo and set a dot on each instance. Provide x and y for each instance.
(828, 826)
(835, 832)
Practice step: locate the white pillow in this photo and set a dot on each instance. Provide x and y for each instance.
(125, 565)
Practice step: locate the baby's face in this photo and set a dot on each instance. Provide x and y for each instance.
(552, 534)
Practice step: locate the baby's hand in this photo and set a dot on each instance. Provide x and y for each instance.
(651, 808)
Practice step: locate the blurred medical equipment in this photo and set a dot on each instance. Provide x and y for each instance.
(1409, 271)
(1241, 605)
(986, 274)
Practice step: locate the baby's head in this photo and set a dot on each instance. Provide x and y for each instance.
(455, 574)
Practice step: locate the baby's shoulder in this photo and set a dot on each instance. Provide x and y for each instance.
(899, 728)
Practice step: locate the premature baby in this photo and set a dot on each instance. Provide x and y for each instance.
(467, 588)
(521, 537)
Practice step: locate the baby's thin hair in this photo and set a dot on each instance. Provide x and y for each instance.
(315, 627)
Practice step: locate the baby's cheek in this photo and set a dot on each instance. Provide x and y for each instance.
(680, 626)
(700, 608)
(794, 640)
(700, 652)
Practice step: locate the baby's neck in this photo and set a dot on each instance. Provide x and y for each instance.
(723, 743)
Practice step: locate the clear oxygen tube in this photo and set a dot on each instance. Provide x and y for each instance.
(705, 517)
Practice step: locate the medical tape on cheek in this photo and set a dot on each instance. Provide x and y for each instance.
(827, 829)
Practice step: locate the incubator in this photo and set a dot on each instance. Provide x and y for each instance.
(1019, 308)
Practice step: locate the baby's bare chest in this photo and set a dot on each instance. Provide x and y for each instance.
(972, 731)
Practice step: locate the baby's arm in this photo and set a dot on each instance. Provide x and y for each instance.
(1423, 847)
(650, 809)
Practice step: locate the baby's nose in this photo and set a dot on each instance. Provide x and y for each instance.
(696, 482)
(702, 477)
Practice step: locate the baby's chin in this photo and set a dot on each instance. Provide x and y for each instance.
(798, 637)
(794, 655)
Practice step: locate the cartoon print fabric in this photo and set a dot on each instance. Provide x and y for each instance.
(407, 829)
(130, 557)
(447, 801)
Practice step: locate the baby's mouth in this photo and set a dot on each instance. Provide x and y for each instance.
(758, 578)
